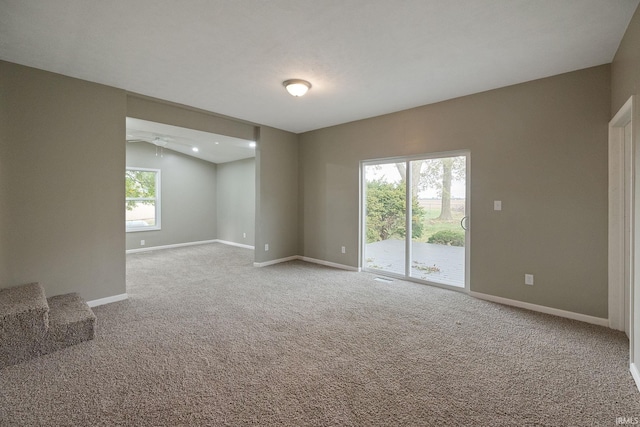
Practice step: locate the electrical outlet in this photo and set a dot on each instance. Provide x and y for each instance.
(244, 235)
(344, 250)
(528, 279)
(497, 205)
(142, 243)
(266, 247)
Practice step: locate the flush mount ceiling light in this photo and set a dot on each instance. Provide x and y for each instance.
(296, 87)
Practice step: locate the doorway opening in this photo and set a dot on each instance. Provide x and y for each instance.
(415, 218)
(200, 184)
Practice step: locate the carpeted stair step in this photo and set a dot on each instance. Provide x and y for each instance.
(71, 321)
(24, 321)
(32, 325)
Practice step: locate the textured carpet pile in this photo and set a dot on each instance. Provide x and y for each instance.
(32, 325)
(207, 339)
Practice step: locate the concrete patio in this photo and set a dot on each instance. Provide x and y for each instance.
(434, 263)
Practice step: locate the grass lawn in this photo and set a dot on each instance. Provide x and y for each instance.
(432, 226)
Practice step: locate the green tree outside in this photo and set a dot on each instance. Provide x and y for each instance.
(140, 187)
(439, 174)
(386, 212)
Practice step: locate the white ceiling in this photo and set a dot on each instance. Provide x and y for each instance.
(363, 57)
(211, 147)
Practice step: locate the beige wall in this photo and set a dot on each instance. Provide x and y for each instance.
(62, 169)
(625, 68)
(539, 147)
(276, 195)
(188, 197)
(236, 201)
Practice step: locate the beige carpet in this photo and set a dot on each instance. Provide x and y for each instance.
(206, 339)
(32, 325)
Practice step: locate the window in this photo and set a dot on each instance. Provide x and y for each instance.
(142, 190)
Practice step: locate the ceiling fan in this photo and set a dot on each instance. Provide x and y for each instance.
(160, 141)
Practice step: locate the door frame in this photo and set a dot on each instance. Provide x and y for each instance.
(361, 210)
(624, 245)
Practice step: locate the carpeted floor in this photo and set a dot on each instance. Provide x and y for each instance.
(207, 339)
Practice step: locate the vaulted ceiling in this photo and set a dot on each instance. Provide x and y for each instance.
(363, 57)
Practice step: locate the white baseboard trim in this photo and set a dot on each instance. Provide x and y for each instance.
(107, 300)
(543, 309)
(176, 245)
(306, 259)
(328, 263)
(636, 375)
(239, 245)
(180, 245)
(276, 261)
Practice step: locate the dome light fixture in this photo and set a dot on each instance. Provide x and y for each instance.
(296, 87)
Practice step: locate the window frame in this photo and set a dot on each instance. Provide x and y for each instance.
(158, 223)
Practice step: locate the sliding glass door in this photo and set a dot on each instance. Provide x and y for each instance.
(415, 218)
(385, 218)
